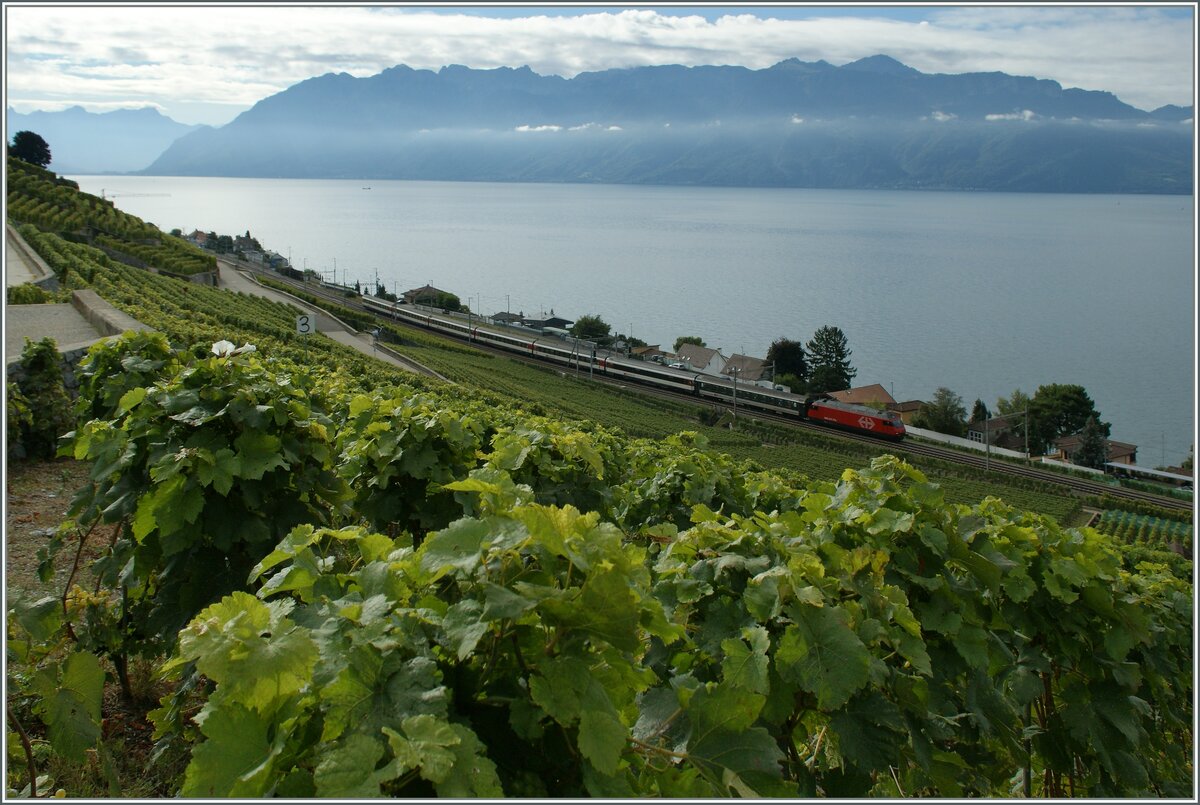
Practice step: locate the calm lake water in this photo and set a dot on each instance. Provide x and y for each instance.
(981, 292)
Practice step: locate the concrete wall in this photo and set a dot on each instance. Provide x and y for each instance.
(100, 314)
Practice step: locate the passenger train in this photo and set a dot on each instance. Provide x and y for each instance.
(819, 408)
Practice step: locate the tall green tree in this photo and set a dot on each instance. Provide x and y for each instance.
(591, 328)
(1093, 447)
(830, 360)
(31, 148)
(1060, 409)
(788, 358)
(979, 412)
(945, 414)
(688, 339)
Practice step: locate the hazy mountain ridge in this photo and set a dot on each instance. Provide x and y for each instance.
(121, 141)
(873, 123)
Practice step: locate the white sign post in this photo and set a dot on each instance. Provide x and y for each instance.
(306, 324)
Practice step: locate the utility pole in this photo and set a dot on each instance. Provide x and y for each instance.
(507, 304)
(987, 446)
(734, 372)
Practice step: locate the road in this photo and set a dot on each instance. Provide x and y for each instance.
(233, 278)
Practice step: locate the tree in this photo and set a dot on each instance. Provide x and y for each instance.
(946, 414)
(787, 356)
(831, 370)
(1060, 409)
(979, 412)
(591, 328)
(1093, 448)
(31, 148)
(688, 339)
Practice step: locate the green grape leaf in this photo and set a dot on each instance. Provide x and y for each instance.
(347, 770)
(870, 732)
(237, 758)
(258, 453)
(747, 666)
(559, 687)
(230, 643)
(456, 547)
(501, 603)
(426, 744)
(463, 628)
(473, 774)
(70, 705)
(743, 753)
(601, 739)
(221, 471)
(821, 654)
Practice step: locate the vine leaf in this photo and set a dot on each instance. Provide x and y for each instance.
(821, 654)
(70, 706)
(237, 759)
(347, 771)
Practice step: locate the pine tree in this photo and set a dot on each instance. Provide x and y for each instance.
(1093, 449)
(979, 412)
(830, 368)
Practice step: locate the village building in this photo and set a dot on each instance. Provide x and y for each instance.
(999, 431)
(1066, 447)
(749, 370)
(874, 394)
(907, 409)
(702, 359)
(425, 295)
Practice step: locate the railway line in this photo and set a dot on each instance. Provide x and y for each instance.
(1081, 486)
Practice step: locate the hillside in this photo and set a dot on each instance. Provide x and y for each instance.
(342, 582)
(874, 123)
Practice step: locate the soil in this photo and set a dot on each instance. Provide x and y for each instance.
(38, 495)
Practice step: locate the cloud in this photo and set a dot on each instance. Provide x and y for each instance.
(538, 128)
(1024, 114)
(942, 117)
(797, 119)
(224, 56)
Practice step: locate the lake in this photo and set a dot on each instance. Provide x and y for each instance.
(982, 293)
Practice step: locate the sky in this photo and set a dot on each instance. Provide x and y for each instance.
(206, 63)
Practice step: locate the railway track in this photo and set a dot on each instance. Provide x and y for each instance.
(1080, 486)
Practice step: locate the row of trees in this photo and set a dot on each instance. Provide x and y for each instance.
(1054, 411)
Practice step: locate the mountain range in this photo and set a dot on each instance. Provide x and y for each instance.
(121, 141)
(873, 123)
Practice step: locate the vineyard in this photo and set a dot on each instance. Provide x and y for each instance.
(39, 198)
(1149, 531)
(352, 582)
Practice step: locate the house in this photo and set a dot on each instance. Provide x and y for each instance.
(702, 359)
(745, 369)
(864, 395)
(999, 431)
(508, 318)
(198, 237)
(553, 322)
(1066, 447)
(425, 295)
(907, 409)
(650, 353)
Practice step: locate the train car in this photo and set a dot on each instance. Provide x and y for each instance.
(885, 424)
